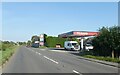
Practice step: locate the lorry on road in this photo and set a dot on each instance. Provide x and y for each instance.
(35, 44)
(71, 45)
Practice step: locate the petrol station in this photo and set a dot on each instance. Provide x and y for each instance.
(81, 35)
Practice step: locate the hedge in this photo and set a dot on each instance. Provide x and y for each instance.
(52, 41)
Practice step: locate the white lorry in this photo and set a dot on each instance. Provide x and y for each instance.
(71, 45)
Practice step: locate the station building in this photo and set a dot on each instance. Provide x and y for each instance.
(81, 35)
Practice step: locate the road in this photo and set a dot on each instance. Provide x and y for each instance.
(35, 60)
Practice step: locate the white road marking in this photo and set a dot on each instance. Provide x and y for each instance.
(39, 53)
(51, 59)
(42, 49)
(75, 71)
(35, 52)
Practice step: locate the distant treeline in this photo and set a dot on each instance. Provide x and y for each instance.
(8, 44)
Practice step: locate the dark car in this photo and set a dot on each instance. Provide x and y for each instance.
(35, 45)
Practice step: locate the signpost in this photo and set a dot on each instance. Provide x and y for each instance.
(41, 39)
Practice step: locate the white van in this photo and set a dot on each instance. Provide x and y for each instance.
(71, 45)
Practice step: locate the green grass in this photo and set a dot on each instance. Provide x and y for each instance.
(0, 57)
(6, 54)
(116, 60)
(42, 47)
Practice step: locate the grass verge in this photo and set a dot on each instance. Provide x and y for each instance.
(0, 57)
(43, 47)
(109, 59)
(6, 54)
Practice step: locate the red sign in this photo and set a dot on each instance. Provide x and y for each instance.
(41, 43)
(41, 36)
(85, 33)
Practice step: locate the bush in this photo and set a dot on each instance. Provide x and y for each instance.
(5, 46)
(52, 41)
(107, 43)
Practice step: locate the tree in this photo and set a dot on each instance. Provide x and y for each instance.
(108, 42)
(115, 40)
(35, 38)
(45, 37)
(22, 43)
(29, 42)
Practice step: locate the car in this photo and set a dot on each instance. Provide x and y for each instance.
(35, 45)
(88, 47)
(58, 45)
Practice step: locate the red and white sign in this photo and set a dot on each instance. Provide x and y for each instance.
(85, 33)
(41, 36)
(41, 43)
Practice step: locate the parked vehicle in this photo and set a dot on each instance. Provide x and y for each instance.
(71, 45)
(88, 47)
(35, 45)
(58, 45)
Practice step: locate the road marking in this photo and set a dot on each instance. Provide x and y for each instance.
(51, 59)
(42, 49)
(75, 71)
(39, 53)
(35, 52)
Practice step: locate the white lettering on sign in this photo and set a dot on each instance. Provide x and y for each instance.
(86, 33)
(82, 33)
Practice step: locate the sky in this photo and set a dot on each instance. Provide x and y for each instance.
(22, 20)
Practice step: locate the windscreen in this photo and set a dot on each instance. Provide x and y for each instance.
(88, 45)
(74, 44)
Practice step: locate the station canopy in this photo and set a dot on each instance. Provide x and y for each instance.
(78, 34)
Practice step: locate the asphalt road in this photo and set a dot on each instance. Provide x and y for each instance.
(34, 60)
